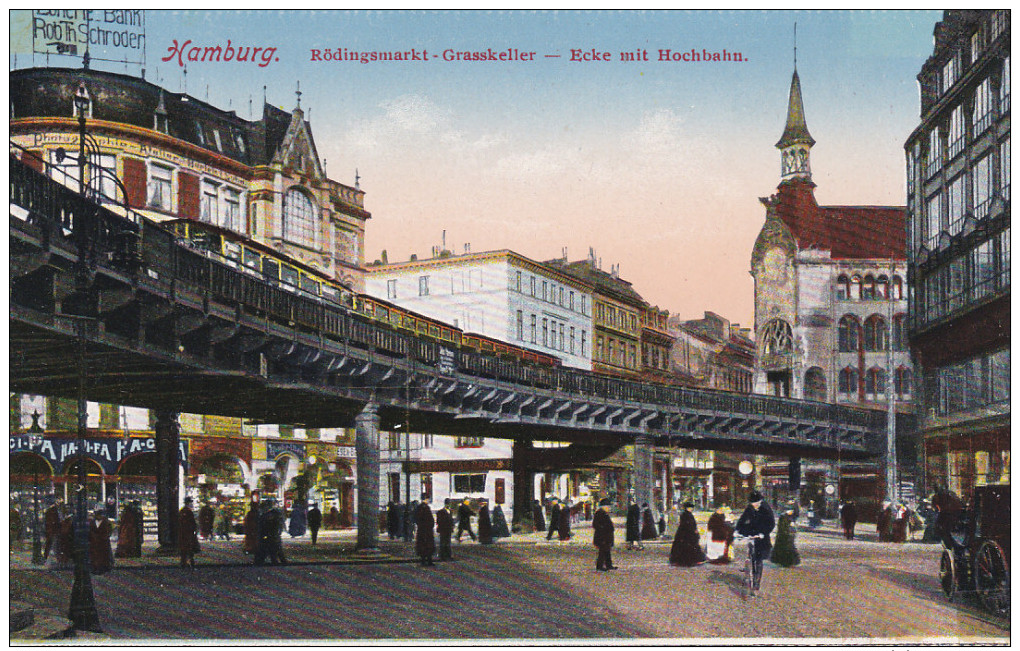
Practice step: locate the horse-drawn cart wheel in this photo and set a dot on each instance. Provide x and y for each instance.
(947, 574)
(991, 578)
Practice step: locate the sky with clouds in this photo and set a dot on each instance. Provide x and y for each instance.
(655, 165)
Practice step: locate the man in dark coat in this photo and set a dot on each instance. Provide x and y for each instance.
(392, 520)
(464, 514)
(251, 528)
(425, 540)
(554, 517)
(686, 550)
(564, 525)
(206, 516)
(270, 527)
(647, 523)
(444, 526)
(539, 515)
(900, 523)
(499, 525)
(484, 523)
(848, 516)
(298, 519)
(127, 532)
(187, 535)
(314, 521)
(602, 537)
(100, 551)
(721, 533)
(883, 523)
(634, 526)
(758, 520)
(52, 527)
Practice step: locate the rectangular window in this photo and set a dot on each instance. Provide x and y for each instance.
(469, 442)
(982, 107)
(552, 339)
(571, 340)
(584, 305)
(571, 301)
(949, 74)
(934, 222)
(933, 163)
(545, 290)
(518, 281)
(232, 210)
(561, 297)
(977, 45)
(954, 195)
(391, 289)
(1004, 168)
(584, 342)
(520, 324)
(983, 268)
(1004, 258)
(468, 483)
(210, 202)
(981, 186)
(533, 281)
(1004, 88)
(160, 187)
(423, 285)
(534, 329)
(563, 341)
(545, 332)
(956, 132)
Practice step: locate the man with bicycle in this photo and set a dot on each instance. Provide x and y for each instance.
(757, 522)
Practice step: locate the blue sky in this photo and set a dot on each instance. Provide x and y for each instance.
(656, 165)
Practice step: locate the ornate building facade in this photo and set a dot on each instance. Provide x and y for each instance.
(830, 307)
(958, 197)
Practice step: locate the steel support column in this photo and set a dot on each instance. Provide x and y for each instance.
(524, 485)
(367, 451)
(643, 480)
(168, 463)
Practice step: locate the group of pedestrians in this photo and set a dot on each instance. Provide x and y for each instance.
(491, 525)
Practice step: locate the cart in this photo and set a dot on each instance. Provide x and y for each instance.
(975, 555)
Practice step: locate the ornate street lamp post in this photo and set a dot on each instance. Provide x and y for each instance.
(35, 440)
(83, 614)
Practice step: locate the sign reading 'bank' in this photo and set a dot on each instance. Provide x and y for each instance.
(109, 34)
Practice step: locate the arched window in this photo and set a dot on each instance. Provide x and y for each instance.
(903, 376)
(896, 287)
(843, 288)
(874, 382)
(814, 384)
(882, 287)
(899, 332)
(848, 380)
(299, 218)
(876, 334)
(868, 288)
(849, 334)
(777, 337)
(855, 287)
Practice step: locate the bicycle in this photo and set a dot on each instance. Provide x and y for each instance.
(752, 574)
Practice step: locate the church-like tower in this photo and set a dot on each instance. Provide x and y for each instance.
(796, 142)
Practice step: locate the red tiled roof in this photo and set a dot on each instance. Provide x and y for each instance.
(848, 232)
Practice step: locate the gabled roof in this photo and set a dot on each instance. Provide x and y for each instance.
(847, 232)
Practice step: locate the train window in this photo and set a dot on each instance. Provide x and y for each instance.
(270, 268)
(331, 293)
(433, 330)
(383, 313)
(310, 285)
(251, 258)
(423, 326)
(408, 322)
(447, 334)
(289, 275)
(232, 250)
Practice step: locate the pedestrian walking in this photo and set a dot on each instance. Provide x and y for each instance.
(425, 540)
(538, 514)
(127, 532)
(900, 523)
(206, 517)
(298, 519)
(884, 522)
(484, 523)
(564, 524)
(602, 536)
(848, 516)
(720, 538)
(686, 550)
(270, 527)
(51, 529)
(500, 529)
(634, 526)
(222, 522)
(444, 527)
(187, 534)
(647, 523)
(757, 520)
(554, 517)
(464, 514)
(392, 519)
(251, 527)
(65, 540)
(100, 551)
(314, 521)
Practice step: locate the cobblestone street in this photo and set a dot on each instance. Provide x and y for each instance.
(522, 588)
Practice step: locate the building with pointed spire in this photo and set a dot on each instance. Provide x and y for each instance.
(830, 306)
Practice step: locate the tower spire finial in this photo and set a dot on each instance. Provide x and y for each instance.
(298, 93)
(795, 47)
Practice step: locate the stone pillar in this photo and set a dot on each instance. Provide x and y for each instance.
(643, 479)
(168, 461)
(524, 486)
(367, 451)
